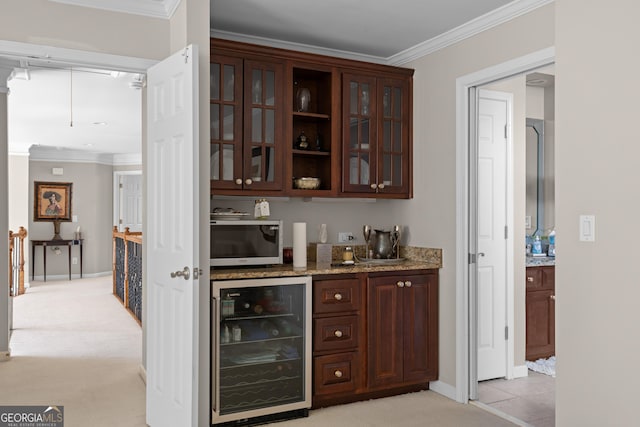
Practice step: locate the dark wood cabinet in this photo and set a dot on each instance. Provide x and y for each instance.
(402, 329)
(247, 124)
(373, 337)
(540, 312)
(279, 115)
(376, 127)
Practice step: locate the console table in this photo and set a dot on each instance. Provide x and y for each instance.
(53, 243)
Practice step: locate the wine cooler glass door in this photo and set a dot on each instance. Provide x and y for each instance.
(262, 359)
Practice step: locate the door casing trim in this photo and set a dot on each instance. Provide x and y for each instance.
(463, 193)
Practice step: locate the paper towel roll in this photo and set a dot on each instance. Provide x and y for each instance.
(299, 245)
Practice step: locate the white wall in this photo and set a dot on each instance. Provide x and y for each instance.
(432, 213)
(597, 289)
(19, 201)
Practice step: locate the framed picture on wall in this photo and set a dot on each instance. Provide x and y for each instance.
(52, 201)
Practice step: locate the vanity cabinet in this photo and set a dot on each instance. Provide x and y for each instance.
(279, 115)
(376, 135)
(247, 123)
(540, 312)
(402, 328)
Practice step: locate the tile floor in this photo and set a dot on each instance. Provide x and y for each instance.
(530, 399)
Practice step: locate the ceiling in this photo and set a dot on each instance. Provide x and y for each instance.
(106, 110)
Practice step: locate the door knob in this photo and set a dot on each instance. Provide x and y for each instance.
(407, 283)
(238, 181)
(248, 181)
(381, 186)
(186, 273)
(400, 284)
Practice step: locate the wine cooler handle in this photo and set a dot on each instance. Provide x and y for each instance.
(215, 353)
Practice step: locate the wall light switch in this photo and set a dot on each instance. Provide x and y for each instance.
(74, 218)
(527, 221)
(587, 228)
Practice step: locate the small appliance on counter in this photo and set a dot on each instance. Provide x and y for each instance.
(239, 242)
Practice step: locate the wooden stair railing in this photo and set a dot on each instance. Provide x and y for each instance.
(127, 270)
(16, 262)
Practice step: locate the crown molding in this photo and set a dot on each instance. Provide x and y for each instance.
(264, 41)
(482, 23)
(152, 8)
(51, 154)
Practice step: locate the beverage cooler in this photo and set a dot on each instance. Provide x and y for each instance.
(260, 349)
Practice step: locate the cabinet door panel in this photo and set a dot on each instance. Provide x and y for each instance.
(420, 323)
(226, 121)
(540, 313)
(263, 125)
(385, 336)
(359, 133)
(393, 147)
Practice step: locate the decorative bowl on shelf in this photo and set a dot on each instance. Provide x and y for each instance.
(307, 183)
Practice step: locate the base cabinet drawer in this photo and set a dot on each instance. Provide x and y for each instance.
(335, 333)
(334, 296)
(336, 373)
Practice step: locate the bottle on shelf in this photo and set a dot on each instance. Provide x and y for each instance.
(226, 335)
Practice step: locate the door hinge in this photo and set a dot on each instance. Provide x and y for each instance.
(120, 221)
(185, 53)
(506, 333)
(120, 185)
(505, 132)
(506, 232)
(472, 258)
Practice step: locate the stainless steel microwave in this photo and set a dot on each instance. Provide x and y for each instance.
(240, 242)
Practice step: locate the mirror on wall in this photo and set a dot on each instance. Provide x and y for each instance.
(535, 177)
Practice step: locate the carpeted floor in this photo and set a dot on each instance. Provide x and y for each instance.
(75, 345)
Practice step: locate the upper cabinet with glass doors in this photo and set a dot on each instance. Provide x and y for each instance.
(280, 117)
(376, 136)
(246, 125)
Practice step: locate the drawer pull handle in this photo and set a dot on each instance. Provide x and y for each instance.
(400, 284)
(338, 333)
(407, 283)
(338, 374)
(337, 297)
(529, 279)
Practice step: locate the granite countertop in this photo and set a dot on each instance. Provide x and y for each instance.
(414, 259)
(540, 261)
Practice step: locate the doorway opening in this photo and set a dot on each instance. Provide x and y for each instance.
(467, 194)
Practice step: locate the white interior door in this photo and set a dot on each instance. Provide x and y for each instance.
(171, 241)
(492, 239)
(127, 200)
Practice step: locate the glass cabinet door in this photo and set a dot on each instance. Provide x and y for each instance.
(263, 346)
(359, 133)
(226, 121)
(393, 150)
(263, 125)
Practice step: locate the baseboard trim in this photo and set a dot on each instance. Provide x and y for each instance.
(520, 371)
(73, 276)
(143, 374)
(444, 389)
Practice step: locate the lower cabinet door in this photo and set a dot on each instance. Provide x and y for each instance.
(336, 373)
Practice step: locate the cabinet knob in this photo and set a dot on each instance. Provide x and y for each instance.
(374, 186)
(248, 181)
(400, 284)
(338, 333)
(553, 297)
(238, 181)
(380, 186)
(337, 297)
(407, 283)
(529, 279)
(338, 374)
